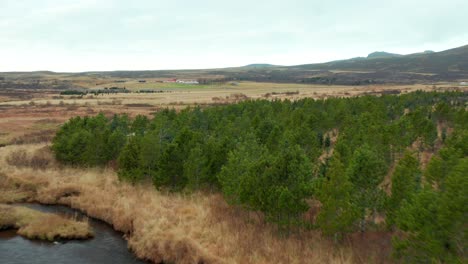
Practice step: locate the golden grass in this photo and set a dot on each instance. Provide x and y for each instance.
(33, 224)
(15, 190)
(14, 196)
(180, 228)
(191, 95)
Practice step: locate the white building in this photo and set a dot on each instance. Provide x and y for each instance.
(188, 82)
(464, 83)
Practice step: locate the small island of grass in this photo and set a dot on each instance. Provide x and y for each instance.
(33, 224)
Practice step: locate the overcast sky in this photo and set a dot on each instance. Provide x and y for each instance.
(86, 35)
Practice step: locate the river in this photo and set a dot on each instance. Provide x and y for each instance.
(107, 246)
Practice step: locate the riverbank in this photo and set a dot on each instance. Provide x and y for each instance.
(106, 247)
(33, 224)
(180, 228)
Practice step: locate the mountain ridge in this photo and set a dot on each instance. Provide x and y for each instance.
(377, 68)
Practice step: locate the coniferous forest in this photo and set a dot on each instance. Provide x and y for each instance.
(402, 158)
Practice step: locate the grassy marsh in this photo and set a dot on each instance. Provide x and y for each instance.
(33, 224)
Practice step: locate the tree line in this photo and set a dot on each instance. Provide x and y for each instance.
(275, 157)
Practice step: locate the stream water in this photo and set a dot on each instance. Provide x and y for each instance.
(107, 246)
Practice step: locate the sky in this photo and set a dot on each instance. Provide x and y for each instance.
(103, 35)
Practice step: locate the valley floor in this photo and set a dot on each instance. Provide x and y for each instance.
(172, 227)
(180, 228)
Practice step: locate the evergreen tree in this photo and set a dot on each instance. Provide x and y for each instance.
(286, 184)
(195, 168)
(366, 171)
(337, 213)
(151, 150)
(115, 143)
(170, 171)
(327, 142)
(239, 178)
(140, 125)
(129, 162)
(406, 181)
(434, 222)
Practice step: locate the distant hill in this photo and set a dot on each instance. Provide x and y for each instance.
(453, 60)
(259, 65)
(382, 54)
(378, 67)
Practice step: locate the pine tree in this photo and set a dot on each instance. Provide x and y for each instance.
(337, 213)
(195, 168)
(286, 184)
(140, 125)
(366, 171)
(170, 169)
(406, 181)
(151, 149)
(115, 143)
(129, 162)
(434, 223)
(239, 178)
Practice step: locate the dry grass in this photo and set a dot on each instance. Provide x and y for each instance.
(16, 190)
(40, 159)
(33, 124)
(190, 95)
(37, 225)
(25, 120)
(184, 228)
